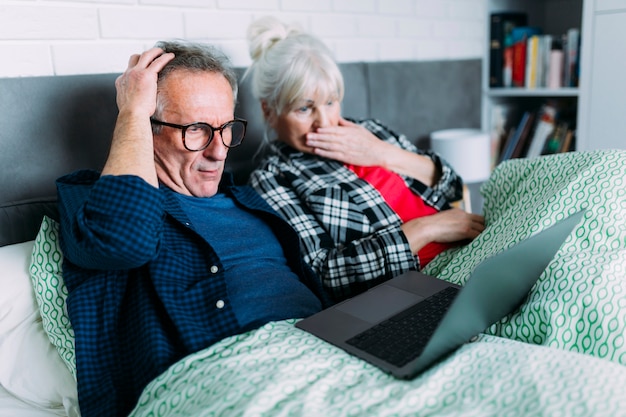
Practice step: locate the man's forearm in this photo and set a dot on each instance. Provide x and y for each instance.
(131, 150)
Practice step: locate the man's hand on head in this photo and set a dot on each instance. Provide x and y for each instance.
(137, 86)
(132, 151)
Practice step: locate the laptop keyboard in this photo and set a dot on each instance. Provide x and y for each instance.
(402, 337)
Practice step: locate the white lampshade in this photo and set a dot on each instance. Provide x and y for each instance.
(467, 150)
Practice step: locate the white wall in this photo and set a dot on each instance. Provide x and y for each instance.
(48, 37)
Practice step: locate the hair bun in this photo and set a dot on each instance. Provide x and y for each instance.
(266, 32)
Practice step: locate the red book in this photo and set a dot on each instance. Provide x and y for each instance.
(502, 24)
(520, 37)
(507, 75)
(518, 73)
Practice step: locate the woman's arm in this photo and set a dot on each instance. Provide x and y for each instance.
(446, 226)
(346, 266)
(370, 143)
(352, 143)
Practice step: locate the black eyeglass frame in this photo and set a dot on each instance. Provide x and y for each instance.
(184, 128)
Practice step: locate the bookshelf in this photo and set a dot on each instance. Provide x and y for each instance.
(502, 103)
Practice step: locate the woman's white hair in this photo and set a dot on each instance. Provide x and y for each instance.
(288, 64)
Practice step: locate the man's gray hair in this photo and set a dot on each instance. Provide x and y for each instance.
(196, 57)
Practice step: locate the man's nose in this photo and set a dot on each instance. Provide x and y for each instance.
(216, 149)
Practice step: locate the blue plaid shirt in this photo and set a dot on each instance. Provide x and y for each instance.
(351, 236)
(145, 289)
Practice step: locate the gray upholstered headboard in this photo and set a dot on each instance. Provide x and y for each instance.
(50, 126)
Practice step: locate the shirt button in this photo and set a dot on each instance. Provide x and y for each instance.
(214, 269)
(219, 304)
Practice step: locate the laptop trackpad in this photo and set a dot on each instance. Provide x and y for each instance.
(379, 303)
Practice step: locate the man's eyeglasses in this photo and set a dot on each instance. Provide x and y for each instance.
(197, 136)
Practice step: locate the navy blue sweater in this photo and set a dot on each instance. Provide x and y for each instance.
(145, 289)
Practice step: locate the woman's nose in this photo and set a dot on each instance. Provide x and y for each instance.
(322, 118)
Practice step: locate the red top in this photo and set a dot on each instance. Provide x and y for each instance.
(403, 201)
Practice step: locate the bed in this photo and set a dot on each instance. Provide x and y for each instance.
(561, 353)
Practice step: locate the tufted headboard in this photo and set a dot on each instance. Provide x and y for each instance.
(50, 126)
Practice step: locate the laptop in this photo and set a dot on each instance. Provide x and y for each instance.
(409, 323)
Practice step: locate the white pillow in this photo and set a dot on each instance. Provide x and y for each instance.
(16, 298)
(30, 366)
(14, 407)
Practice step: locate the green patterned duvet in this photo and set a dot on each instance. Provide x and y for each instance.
(562, 353)
(579, 303)
(280, 370)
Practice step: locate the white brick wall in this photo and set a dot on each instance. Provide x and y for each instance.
(52, 37)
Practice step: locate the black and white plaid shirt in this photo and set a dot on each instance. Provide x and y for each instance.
(351, 236)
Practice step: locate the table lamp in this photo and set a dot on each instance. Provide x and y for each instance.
(468, 151)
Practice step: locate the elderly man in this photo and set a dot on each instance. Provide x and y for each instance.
(164, 255)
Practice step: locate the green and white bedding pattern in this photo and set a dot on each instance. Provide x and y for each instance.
(562, 353)
(528, 364)
(579, 302)
(279, 370)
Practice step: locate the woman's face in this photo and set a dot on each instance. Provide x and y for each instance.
(305, 116)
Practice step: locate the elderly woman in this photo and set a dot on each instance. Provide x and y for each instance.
(367, 203)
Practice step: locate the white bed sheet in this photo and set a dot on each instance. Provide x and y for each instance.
(11, 406)
(34, 381)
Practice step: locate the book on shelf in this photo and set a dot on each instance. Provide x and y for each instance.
(569, 142)
(571, 52)
(519, 39)
(554, 68)
(544, 62)
(555, 141)
(545, 126)
(523, 56)
(507, 71)
(501, 116)
(521, 146)
(532, 131)
(533, 66)
(510, 133)
(515, 142)
(501, 26)
(545, 52)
